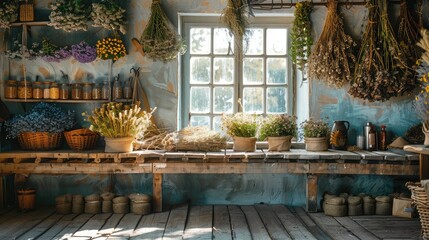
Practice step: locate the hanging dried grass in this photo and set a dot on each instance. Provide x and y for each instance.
(235, 17)
(159, 41)
(332, 58)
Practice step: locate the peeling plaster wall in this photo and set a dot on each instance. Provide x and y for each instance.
(161, 84)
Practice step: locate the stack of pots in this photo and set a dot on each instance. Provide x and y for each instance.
(383, 205)
(63, 204)
(121, 205)
(106, 206)
(140, 203)
(93, 204)
(78, 204)
(355, 205)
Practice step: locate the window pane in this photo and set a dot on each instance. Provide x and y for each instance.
(253, 100)
(253, 72)
(276, 70)
(223, 99)
(223, 42)
(200, 100)
(276, 100)
(200, 40)
(223, 70)
(253, 42)
(200, 121)
(217, 123)
(200, 70)
(276, 41)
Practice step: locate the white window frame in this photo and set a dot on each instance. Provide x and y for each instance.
(213, 21)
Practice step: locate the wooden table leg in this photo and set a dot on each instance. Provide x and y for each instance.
(424, 166)
(311, 193)
(157, 192)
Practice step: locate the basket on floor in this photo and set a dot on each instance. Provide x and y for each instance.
(81, 139)
(39, 140)
(420, 199)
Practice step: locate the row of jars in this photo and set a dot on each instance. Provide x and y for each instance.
(64, 91)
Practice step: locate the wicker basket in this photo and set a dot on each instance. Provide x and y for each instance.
(39, 140)
(420, 199)
(81, 139)
(26, 12)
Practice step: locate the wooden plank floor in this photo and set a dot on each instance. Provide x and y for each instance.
(205, 222)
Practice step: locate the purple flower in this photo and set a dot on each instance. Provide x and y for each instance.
(83, 52)
(59, 55)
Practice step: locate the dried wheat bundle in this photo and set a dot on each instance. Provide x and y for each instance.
(332, 58)
(152, 138)
(195, 139)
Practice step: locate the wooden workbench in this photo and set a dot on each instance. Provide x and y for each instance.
(296, 161)
(423, 159)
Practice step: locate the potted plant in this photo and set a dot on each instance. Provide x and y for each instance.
(242, 128)
(119, 124)
(316, 134)
(278, 130)
(41, 128)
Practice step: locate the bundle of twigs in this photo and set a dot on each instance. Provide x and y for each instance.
(195, 139)
(332, 58)
(152, 139)
(381, 68)
(159, 41)
(235, 17)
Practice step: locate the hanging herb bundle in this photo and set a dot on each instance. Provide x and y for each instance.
(408, 36)
(380, 71)
(69, 15)
(234, 16)
(8, 12)
(332, 58)
(109, 15)
(301, 38)
(159, 41)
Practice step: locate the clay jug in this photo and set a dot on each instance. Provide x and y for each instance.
(338, 138)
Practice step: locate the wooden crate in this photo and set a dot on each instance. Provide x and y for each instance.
(26, 12)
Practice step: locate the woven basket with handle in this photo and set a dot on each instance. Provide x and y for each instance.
(420, 199)
(81, 139)
(39, 140)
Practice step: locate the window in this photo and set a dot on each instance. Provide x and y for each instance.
(214, 76)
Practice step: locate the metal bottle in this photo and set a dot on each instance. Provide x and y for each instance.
(366, 130)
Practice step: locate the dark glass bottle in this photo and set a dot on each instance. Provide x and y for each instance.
(383, 139)
(372, 139)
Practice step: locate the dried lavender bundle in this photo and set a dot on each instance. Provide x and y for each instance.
(381, 69)
(332, 58)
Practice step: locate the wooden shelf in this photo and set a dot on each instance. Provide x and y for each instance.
(34, 23)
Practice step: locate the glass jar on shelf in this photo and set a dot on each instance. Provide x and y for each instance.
(117, 90)
(64, 91)
(87, 91)
(96, 92)
(54, 91)
(46, 86)
(76, 91)
(11, 89)
(105, 91)
(127, 90)
(24, 90)
(37, 90)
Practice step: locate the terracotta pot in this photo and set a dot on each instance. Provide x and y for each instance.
(316, 144)
(279, 143)
(244, 144)
(124, 144)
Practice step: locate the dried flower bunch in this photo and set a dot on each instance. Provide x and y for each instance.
(277, 125)
(83, 52)
(159, 41)
(110, 48)
(195, 138)
(381, 69)
(421, 103)
(43, 117)
(116, 120)
(314, 128)
(109, 15)
(332, 59)
(235, 17)
(240, 124)
(52, 53)
(301, 38)
(69, 15)
(20, 51)
(8, 12)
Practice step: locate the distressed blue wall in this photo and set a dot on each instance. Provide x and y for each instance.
(161, 84)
